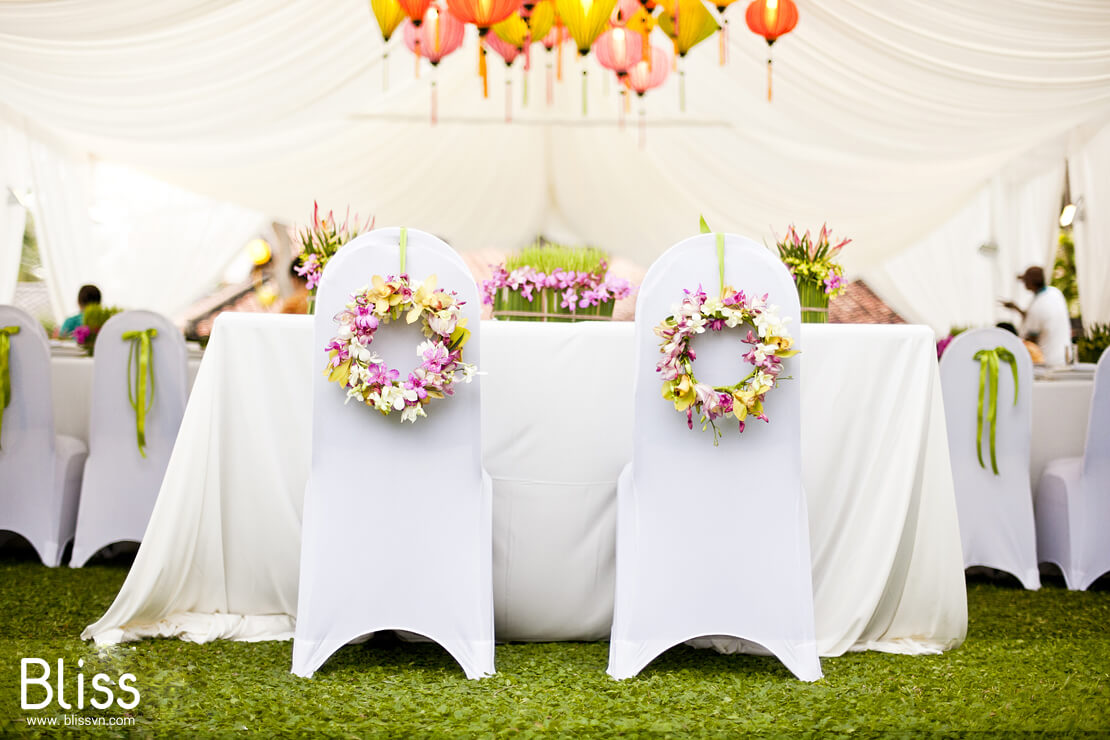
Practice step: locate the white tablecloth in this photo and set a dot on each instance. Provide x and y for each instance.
(220, 558)
(1061, 409)
(71, 390)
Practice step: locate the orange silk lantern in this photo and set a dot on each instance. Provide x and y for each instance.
(415, 10)
(771, 19)
(483, 14)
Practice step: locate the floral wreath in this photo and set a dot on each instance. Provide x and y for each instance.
(367, 377)
(697, 313)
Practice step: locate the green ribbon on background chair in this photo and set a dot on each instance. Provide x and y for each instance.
(139, 391)
(720, 253)
(988, 374)
(6, 333)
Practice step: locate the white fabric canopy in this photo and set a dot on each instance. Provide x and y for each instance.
(886, 120)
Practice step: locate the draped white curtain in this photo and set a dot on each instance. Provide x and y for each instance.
(1089, 170)
(60, 185)
(13, 216)
(959, 274)
(887, 117)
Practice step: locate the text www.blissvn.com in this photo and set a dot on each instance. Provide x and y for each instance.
(80, 720)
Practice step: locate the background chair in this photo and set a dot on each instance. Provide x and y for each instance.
(995, 510)
(40, 472)
(121, 484)
(713, 541)
(1073, 498)
(397, 516)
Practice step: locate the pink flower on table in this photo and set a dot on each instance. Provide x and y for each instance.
(570, 299)
(81, 334)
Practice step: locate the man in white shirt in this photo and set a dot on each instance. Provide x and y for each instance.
(1046, 321)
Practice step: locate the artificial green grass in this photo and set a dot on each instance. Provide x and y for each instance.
(1035, 662)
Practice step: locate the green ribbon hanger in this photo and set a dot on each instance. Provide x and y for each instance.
(720, 253)
(139, 391)
(988, 374)
(6, 332)
(404, 247)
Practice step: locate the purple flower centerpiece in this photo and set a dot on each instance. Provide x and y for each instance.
(554, 283)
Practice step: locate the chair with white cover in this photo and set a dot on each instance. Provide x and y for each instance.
(713, 542)
(1073, 498)
(125, 469)
(990, 459)
(397, 531)
(40, 472)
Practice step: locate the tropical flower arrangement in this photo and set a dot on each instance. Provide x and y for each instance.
(321, 240)
(745, 398)
(554, 283)
(816, 275)
(366, 376)
(92, 320)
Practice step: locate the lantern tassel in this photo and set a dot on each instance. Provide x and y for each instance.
(524, 89)
(584, 86)
(620, 109)
(722, 38)
(559, 44)
(550, 84)
(385, 71)
(508, 98)
(435, 101)
(768, 79)
(643, 125)
(416, 59)
(682, 91)
(482, 69)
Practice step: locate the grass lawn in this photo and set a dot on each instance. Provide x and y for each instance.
(1035, 662)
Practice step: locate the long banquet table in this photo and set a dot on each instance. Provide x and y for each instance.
(220, 557)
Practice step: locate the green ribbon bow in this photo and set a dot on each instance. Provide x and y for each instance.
(139, 391)
(404, 247)
(6, 333)
(720, 253)
(988, 372)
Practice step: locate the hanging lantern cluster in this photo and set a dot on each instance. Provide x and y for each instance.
(618, 32)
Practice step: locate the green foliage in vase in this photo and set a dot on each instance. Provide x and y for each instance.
(92, 320)
(1095, 340)
(1063, 272)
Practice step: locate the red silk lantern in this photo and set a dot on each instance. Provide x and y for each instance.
(771, 19)
(483, 14)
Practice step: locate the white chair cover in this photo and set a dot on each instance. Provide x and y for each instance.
(1073, 498)
(121, 485)
(397, 516)
(995, 511)
(713, 541)
(40, 473)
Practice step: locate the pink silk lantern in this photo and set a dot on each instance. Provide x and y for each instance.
(509, 53)
(645, 75)
(439, 35)
(618, 50)
(556, 37)
(648, 74)
(625, 10)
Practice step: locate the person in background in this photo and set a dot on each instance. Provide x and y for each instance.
(1046, 321)
(88, 295)
(1034, 350)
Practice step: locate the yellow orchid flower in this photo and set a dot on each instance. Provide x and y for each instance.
(341, 372)
(681, 391)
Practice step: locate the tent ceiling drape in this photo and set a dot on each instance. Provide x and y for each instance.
(887, 119)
